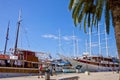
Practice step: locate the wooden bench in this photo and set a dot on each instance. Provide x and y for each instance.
(70, 78)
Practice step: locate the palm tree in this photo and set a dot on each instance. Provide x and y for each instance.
(90, 12)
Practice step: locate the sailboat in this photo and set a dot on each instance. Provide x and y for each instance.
(19, 61)
(88, 62)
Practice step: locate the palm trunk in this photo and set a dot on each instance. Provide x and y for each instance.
(115, 6)
(116, 21)
(117, 36)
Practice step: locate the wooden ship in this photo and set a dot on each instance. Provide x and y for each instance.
(19, 60)
(24, 61)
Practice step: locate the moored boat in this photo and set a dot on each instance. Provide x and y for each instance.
(95, 63)
(24, 61)
(18, 60)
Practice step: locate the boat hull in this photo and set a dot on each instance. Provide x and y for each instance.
(92, 67)
(69, 70)
(18, 70)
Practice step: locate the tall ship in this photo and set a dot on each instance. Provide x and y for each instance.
(18, 61)
(95, 63)
(89, 62)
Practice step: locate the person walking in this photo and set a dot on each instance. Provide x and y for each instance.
(54, 70)
(51, 70)
(40, 71)
(47, 73)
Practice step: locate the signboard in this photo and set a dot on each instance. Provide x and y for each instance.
(13, 57)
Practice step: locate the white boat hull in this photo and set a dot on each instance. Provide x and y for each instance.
(91, 67)
(69, 70)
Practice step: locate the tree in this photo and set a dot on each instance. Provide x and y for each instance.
(90, 12)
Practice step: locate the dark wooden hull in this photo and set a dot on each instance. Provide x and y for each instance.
(18, 70)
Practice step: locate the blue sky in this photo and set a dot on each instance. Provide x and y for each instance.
(41, 20)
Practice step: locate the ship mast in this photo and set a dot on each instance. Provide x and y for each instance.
(59, 38)
(90, 40)
(86, 46)
(6, 37)
(16, 42)
(106, 42)
(74, 48)
(75, 45)
(99, 40)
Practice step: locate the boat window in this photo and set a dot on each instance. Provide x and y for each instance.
(78, 66)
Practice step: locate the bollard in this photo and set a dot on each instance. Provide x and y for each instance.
(87, 72)
(47, 76)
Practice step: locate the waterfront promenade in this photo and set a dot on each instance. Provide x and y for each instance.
(82, 76)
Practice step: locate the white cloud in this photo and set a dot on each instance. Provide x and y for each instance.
(50, 36)
(66, 38)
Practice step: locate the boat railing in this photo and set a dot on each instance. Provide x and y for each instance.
(18, 63)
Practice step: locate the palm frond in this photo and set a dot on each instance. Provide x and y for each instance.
(100, 9)
(76, 11)
(73, 13)
(78, 8)
(71, 4)
(85, 19)
(89, 19)
(107, 16)
(81, 16)
(76, 21)
(82, 13)
(93, 18)
(90, 11)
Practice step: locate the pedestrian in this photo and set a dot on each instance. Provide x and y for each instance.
(40, 71)
(47, 74)
(54, 70)
(51, 70)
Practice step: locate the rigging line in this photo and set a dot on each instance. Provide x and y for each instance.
(62, 49)
(21, 38)
(26, 36)
(27, 39)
